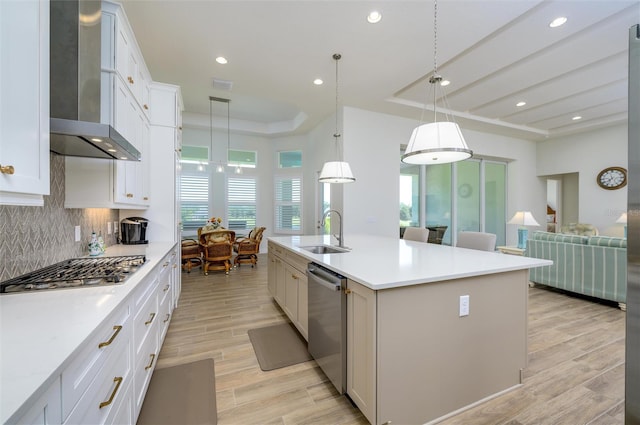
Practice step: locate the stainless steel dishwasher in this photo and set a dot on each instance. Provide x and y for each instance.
(327, 323)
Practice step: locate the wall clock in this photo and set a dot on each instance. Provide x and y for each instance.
(612, 178)
(465, 190)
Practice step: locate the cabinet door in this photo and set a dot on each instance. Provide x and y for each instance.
(361, 348)
(46, 410)
(24, 104)
(303, 308)
(280, 281)
(122, 50)
(271, 277)
(291, 278)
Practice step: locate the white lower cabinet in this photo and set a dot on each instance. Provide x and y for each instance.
(271, 276)
(106, 380)
(110, 388)
(45, 411)
(287, 283)
(361, 348)
(113, 337)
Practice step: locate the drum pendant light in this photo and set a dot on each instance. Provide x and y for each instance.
(436, 142)
(336, 171)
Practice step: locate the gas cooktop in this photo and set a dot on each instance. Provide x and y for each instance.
(76, 272)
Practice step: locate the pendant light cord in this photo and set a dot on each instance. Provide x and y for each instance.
(211, 129)
(337, 57)
(435, 78)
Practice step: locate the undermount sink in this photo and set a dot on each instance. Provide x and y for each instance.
(324, 249)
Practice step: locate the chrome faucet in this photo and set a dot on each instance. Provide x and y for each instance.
(340, 236)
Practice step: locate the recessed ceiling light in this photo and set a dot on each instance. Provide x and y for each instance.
(374, 17)
(95, 139)
(558, 22)
(124, 157)
(221, 60)
(521, 103)
(112, 150)
(444, 83)
(576, 118)
(318, 82)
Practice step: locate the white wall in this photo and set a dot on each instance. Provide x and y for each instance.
(587, 154)
(194, 136)
(372, 146)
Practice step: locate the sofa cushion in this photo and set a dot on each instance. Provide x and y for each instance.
(583, 229)
(608, 241)
(559, 237)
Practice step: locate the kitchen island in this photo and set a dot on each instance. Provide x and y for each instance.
(47, 340)
(412, 355)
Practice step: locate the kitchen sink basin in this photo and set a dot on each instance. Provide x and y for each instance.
(324, 249)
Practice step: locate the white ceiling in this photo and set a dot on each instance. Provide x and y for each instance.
(495, 52)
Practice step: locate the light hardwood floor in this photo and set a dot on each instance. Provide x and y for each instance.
(575, 373)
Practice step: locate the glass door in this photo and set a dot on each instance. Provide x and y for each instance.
(323, 205)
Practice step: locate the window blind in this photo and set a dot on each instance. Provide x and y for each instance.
(288, 205)
(241, 199)
(194, 200)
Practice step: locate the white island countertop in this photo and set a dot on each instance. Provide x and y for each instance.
(384, 262)
(40, 331)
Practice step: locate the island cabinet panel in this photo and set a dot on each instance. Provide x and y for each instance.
(287, 283)
(432, 361)
(361, 348)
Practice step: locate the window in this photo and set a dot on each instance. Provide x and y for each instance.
(236, 158)
(290, 159)
(288, 205)
(194, 154)
(241, 199)
(409, 195)
(194, 199)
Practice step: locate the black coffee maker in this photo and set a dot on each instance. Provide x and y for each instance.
(133, 231)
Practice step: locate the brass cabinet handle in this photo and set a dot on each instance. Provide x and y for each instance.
(294, 276)
(130, 79)
(145, 106)
(117, 330)
(347, 291)
(7, 169)
(146, 198)
(167, 319)
(129, 195)
(150, 319)
(175, 266)
(118, 381)
(165, 264)
(166, 288)
(180, 128)
(147, 367)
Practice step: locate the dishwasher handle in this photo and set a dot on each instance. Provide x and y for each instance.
(325, 279)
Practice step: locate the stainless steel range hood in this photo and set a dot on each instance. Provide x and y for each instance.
(75, 127)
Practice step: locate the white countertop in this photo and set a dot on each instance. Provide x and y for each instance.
(39, 331)
(382, 263)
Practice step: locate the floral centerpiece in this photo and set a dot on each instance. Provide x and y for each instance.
(214, 223)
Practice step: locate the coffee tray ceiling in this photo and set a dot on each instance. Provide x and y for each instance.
(495, 53)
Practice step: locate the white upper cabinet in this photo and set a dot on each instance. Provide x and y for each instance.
(125, 106)
(24, 103)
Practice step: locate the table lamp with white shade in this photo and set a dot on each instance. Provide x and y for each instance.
(523, 218)
(623, 219)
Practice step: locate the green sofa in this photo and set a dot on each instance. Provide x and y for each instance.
(590, 265)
